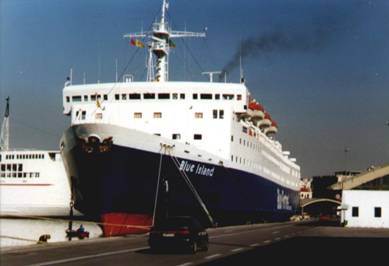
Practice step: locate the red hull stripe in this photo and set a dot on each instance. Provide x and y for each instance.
(115, 224)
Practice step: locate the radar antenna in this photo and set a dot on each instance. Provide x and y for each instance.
(159, 44)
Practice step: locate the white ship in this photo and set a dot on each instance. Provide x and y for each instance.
(127, 136)
(32, 182)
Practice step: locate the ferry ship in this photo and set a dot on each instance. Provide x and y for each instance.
(129, 139)
(32, 182)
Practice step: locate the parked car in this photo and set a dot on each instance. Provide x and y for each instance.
(179, 233)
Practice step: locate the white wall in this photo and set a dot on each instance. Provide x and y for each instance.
(366, 201)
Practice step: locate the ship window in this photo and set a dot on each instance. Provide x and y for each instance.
(199, 115)
(93, 97)
(85, 98)
(228, 96)
(377, 212)
(137, 115)
(232, 138)
(148, 96)
(221, 114)
(239, 97)
(206, 96)
(24, 174)
(67, 99)
(217, 96)
(214, 114)
(176, 136)
(14, 167)
(3, 167)
(20, 167)
(76, 98)
(105, 97)
(174, 96)
(134, 96)
(157, 115)
(99, 116)
(197, 136)
(244, 129)
(124, 96)
(163, 96)
(83, 115)
(232, 158)
(157, 134)
(182, 96)
(195, 96)
(117, 97)
(20, 175)
(355, 212)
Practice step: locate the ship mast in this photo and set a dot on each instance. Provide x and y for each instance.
(160, 42)
(4, 134)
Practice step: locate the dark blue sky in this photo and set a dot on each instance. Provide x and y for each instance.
(320, 67)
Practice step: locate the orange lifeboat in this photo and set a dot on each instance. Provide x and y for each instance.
(265, 122)
(272, 129)
(259, 112)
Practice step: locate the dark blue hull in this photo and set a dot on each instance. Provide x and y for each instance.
(124, 180)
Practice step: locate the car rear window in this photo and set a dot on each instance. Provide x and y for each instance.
(176, 223)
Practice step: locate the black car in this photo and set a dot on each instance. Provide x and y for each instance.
(178, 233)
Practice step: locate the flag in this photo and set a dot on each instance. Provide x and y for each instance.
(137, 43)
(172, 44)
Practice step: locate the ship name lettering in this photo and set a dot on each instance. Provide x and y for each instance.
(198, 169)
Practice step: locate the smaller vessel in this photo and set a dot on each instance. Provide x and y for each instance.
(32, 182)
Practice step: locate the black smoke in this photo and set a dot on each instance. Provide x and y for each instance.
(319, 35)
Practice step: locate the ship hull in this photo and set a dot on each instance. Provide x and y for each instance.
(117, 182)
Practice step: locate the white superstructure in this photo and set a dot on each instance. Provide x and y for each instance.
(32, 182)
(209, 120)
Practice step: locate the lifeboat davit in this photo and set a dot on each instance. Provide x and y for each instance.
(265, 122)
(272, 129)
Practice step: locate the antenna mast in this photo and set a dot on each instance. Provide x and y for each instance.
(4, 134)
(160, 43)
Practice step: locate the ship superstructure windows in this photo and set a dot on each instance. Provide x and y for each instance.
(137, 115)
(176, 136)
(197, 136)
(198, 115)
(206, 96)
(228, 96)
(134, 96)
(218, 114)
(163, 96)
(148, 96)
(195, 96)
(76, 98)
(157, 115)
(217, 96)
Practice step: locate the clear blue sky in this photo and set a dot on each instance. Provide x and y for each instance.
(325, 80)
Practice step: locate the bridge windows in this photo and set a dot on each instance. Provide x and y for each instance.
(355, 211)
(163, 96)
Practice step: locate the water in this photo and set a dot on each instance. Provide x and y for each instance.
(21, 232)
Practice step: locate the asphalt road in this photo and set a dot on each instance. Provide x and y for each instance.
(133, 250)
